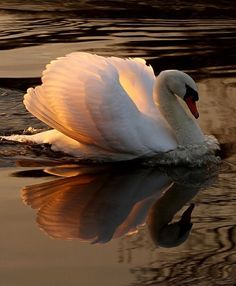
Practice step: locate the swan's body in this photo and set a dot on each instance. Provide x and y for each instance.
(112, 109)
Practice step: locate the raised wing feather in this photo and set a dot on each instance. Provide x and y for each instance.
(86, 97)
(137, 79)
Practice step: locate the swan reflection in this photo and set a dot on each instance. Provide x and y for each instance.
(97, 204)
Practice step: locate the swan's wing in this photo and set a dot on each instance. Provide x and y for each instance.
(82, 97)
(137, 79)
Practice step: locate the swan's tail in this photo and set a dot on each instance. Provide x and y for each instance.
(37, 138)
(18, 138)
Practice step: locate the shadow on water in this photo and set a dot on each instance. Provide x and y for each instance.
(138, 205)
(98, 204)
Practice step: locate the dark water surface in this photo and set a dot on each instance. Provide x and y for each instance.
(128, 213)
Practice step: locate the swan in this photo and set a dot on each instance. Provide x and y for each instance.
(114, 109)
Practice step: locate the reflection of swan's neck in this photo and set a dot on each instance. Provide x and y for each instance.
(185, 127)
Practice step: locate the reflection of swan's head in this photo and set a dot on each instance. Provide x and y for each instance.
(176, 233)
(182, 85)
(163, 232)
(187, 184)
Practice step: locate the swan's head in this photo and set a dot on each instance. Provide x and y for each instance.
(182, 85)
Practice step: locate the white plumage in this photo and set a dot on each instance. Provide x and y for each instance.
(111, 108)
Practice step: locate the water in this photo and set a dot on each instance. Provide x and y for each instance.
(103, 203)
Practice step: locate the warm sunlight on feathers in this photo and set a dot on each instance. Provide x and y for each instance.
(113, 109)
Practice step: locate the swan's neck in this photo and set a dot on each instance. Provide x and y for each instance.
(185, 127)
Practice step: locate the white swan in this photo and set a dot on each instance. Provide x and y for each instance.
(114, 109)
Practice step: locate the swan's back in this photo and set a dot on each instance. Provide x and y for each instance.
(105, 103)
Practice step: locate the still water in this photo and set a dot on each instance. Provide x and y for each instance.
(119, 224)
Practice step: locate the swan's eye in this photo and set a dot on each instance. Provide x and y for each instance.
(191, 92)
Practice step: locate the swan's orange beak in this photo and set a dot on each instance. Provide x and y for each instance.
(192, 106)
